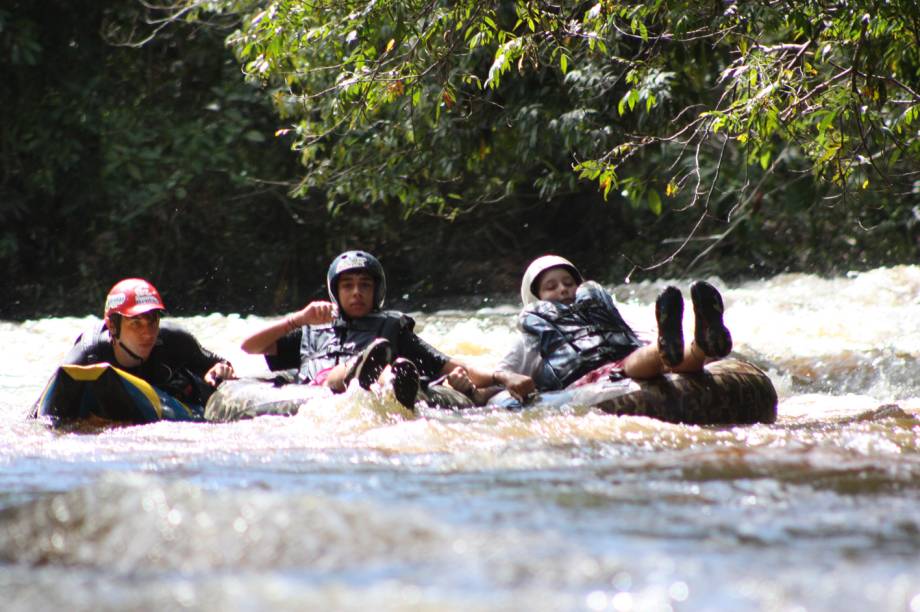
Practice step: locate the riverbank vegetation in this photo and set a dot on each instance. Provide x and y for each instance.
(227, 149)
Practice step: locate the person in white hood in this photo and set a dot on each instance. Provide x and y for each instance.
(572, 333)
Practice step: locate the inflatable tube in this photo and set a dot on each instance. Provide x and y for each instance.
(247, 398)
(105, 393)
(726, 392)
(729, 391)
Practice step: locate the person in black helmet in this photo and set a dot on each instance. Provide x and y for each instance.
(351, 336)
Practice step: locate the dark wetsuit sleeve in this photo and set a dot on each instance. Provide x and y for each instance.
(288, 355)
(430, 361)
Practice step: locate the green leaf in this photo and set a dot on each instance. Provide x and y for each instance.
(654, 202)
(827, 120)
(633, 98)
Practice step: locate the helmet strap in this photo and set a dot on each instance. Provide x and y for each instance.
(129, 351)
(115, 332)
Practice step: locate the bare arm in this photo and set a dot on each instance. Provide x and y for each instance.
(265, 341)
(489, 382)
(478, 376)
(520, 387)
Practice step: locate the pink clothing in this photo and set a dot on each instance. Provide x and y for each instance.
(320, 379)
(613, 370)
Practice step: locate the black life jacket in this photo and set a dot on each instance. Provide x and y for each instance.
(577, 338)
(325, 346)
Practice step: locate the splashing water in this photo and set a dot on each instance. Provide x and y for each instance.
(355, 504)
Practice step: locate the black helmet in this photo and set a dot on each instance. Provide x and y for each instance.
(350, 261)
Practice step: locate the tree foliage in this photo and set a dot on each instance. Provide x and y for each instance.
(127, 161)
(652, 135)
(682, 105)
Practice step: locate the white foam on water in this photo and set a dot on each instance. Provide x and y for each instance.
(354, 503)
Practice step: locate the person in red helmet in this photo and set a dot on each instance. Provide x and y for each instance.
(132, 338)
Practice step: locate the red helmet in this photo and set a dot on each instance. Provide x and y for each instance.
(131, 297)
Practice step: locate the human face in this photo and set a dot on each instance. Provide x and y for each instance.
(140, 333)
(356, 293)
(557, 285)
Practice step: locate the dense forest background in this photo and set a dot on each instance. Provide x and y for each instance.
(228, 150)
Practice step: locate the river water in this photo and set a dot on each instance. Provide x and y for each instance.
(354, 504)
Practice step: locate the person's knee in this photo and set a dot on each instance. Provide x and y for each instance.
(644, 362)
(335, 380)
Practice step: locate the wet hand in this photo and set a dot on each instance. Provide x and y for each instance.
(459, 379)
(218, 373)
(315, 313)
(520, 387)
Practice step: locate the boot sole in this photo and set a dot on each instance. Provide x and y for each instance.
(710, 333)
(370, 363)
(405, 382)
(669, 312)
